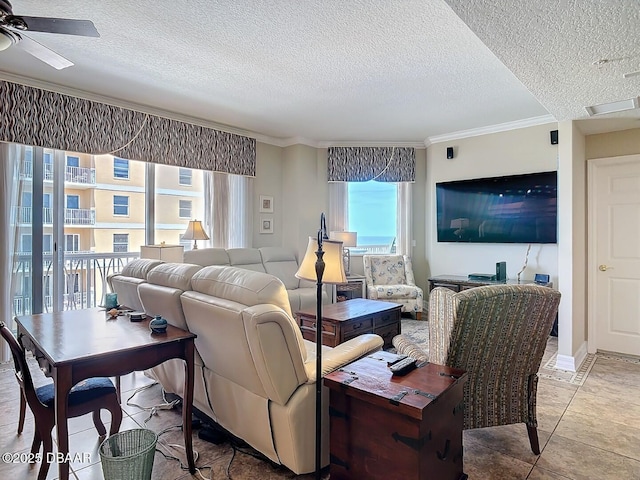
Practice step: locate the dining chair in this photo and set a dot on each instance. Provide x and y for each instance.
(498, 334)
(90, 395)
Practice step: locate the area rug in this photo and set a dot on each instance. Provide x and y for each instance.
(418, 331)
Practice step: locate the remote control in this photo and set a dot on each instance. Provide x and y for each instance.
(403, 367)
(398, 358)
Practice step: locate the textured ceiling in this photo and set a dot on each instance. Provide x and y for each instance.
(340, 71)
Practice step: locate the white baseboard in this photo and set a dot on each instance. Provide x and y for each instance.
(572, 363)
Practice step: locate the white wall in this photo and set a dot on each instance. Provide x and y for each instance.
(268, 181)
(524, 150)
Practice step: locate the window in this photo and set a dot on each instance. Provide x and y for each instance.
(187, 244)
(73, 201)
(120, 168)
(47, 212)
(47, 243)
(72, 243)
(25, 243)
(185, 209)
(48, 166)
(25, 208)
(120, 205)
(73, 161)
(372, 208)
(185, 175)
(120, 242)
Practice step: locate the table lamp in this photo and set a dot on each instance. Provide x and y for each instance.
(322, 262)
(195, 232)
(348, 239)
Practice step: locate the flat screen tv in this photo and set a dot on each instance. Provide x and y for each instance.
(511, 209)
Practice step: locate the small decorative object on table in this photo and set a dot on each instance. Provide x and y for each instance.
(137, 316)
(111, 301)
(113, 313)
(158, 325)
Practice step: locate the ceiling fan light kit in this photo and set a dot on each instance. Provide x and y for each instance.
(7, 39)
(10, 22)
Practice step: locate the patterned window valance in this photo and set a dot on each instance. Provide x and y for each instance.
(361, 164)
(32, 116)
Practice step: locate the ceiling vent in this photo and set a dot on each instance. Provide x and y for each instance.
(612, 107)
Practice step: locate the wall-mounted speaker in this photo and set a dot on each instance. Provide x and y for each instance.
(501, 271)
(449, 153)
(554, 137)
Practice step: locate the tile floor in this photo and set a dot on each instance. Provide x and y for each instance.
(589, 429)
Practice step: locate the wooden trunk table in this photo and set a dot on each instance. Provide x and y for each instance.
(405, 427)
(344, 320)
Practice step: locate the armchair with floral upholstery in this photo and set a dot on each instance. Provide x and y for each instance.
(498, 334)
(390, 278)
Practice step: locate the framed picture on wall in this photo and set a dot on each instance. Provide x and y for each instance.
(266, 225)
(266, 204)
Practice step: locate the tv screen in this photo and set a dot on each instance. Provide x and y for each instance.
(511, 209)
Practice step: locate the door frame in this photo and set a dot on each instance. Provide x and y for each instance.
(592, 260)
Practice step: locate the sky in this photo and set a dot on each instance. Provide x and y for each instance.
(372, 209)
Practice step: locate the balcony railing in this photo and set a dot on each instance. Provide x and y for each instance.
(83, 175)
(72, 216)
(85, 276)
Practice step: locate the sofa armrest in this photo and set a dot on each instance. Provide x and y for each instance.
(442, 317)
(372, 292)
(343, 354)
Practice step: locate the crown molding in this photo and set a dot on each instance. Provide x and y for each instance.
(275, 141)
(501, 127)
(371, 144)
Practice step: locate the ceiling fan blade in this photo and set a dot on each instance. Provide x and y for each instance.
(43, 53)
(66, 26)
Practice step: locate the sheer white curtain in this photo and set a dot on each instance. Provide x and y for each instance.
(229, 210)
(404, 220)
(240, 211)
(338, 207)
(10, 187)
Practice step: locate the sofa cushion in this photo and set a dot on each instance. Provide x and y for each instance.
(174, 275)
(242, 286)
(207, 256)
(282, 263)
(247, 258)
(139, 268)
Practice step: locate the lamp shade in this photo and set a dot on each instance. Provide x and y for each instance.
(334, 268)
(195, 231)
(348, 239)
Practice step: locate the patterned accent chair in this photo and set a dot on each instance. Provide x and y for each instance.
(498, 334)
(390, 278)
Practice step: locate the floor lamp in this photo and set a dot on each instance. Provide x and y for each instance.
(321, 263)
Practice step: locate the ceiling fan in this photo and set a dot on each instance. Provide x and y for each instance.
(13, 28)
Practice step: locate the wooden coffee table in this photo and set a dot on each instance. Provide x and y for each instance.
(344, 320)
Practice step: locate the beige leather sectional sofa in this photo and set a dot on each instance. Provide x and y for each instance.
(255, 375)
(278, 261)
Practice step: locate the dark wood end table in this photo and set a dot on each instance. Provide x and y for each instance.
(384, 426)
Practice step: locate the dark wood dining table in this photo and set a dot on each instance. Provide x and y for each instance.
(73, 345)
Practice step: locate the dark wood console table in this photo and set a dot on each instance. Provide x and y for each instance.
(458, 283)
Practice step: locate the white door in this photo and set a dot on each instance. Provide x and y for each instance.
(614, 254)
